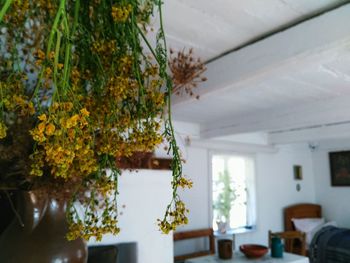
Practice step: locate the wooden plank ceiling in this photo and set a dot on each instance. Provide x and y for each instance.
(279, 83)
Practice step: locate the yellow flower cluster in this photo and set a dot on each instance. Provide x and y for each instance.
(105, 186)
(14, 99)
(117, 88)
(121, 132)
(183, 182)
(75, 78)
(75, 230)
(47, 66)
(174, 218)
(125, 65)
(3, 129)
(23, 104)
(121, 13)
(104, 47)
(21, 7)
(154, 96)
(80, 230)
(146, 137)
(66, 143)
(40, 57)
(96, 223)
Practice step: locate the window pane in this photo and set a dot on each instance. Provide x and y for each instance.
(229, 185)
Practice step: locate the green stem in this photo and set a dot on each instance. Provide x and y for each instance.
(148, 45)
(66, 73)
(169, 129)
(60, 12)
(76, 15)
(66, 55)
(53, 31)
(136, 66)
(57, 54)
(2, 98)
(168, 80)
(4, 9)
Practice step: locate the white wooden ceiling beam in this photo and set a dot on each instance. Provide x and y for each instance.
(318, 133)
(229, 146)
(318, 113)
(314, 37)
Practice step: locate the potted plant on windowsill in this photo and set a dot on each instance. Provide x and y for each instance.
(77, 91)
(222, 204)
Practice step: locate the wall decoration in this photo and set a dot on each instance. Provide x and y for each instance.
(340, 168)
(298, 172)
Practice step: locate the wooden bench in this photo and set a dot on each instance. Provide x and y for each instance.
(200, 233)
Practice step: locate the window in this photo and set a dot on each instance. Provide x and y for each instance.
(233, 191)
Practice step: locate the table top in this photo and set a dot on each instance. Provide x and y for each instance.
(238, 257)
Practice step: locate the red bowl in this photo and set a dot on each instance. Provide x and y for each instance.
(253, 250)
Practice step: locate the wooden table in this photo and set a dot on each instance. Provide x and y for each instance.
(238, 257)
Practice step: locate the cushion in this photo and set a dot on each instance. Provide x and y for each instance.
(308, 225)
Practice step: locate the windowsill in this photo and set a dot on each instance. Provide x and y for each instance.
(236, 231)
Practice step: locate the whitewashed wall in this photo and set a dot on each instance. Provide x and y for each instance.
(334, 200)
(275, 186)
(145, 195)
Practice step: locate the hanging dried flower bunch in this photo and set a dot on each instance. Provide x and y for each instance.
(78, 91)
(186, 72)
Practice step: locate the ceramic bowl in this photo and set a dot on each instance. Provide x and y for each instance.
(253, 250)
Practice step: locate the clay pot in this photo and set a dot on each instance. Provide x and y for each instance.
(225, 248)
(37, 234)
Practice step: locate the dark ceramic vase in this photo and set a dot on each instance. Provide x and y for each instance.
(37, 234)
(6, 211)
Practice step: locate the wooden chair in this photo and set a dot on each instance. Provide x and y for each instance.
(200, 233)
(294, 241)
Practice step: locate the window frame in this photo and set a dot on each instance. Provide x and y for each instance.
(251, 188)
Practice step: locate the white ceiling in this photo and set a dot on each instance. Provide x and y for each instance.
(213, 27)
(293, 80)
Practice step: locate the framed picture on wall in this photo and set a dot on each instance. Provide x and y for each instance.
(298, 172)
(340, 168)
